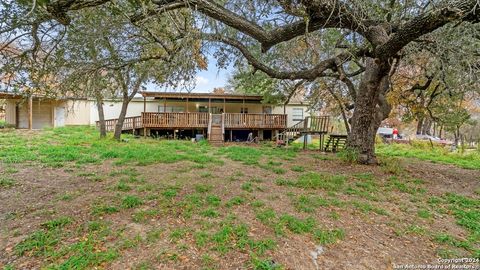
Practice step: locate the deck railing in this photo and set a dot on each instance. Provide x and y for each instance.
(199, 120)
(250, 120)
(175, 120)
(129, 123)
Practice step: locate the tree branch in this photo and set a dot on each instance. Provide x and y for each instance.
(460, 10)
(309, 74)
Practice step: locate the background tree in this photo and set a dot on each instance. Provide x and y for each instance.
(102, 54)
(376, 35)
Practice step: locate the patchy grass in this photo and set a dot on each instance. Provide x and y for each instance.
(314, 180)
(6, 182)
(81, 145)
(137, 204)
(470, 160)
(131, 201)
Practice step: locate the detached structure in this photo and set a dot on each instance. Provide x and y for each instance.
(36, 112)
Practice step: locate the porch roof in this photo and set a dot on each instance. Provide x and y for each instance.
(180, 95)
(9, 95)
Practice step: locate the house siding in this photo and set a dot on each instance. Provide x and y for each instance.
(77, 112)
(42, 112)
(10, 109)
(289, 112)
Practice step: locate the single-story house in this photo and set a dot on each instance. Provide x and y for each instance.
(231, 116)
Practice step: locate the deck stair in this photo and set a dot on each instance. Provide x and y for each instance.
(292, 133)
(335, 142)
(216, 129)
(308, 126)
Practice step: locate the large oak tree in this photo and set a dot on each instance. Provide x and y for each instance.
(374, 36)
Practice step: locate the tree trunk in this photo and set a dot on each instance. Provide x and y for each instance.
(101, 115)
(419, 125)
(427, 126)
(121, 119)
(456, 133)
(371, 108)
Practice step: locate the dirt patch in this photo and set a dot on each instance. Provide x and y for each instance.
(373, 238)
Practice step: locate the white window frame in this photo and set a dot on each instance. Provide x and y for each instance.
(170, 109)
(296, 116)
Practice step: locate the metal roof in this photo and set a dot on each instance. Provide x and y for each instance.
(200, 95)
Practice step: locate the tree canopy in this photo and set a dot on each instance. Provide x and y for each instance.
(357, 44)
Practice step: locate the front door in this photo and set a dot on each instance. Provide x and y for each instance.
(216, 119)
(59, 116)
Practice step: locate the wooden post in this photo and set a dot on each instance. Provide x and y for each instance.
(243, 106)
(30, 112)
(304, 141)
(187, 106)
(224, 111)
(231, 135)
(53, 105)
(144, 104)
(209, 105)
(320, 142)
(164, 104)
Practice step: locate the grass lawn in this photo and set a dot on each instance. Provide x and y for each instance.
(437, 154)
(73, 201)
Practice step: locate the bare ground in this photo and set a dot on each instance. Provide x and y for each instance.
(372, 241)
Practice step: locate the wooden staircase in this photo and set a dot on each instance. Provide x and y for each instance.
(216, 129)
(291, 133)
(309, 125)
(335, 142)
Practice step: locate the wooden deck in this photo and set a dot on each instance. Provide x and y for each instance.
(199, 120)
(175, 120)
(264, 121)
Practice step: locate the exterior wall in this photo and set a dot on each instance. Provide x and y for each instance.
(289, 112)
(77, 112)
(112, 109)
(42, 114)
(135, 108)
(10, 112)
(193, 106)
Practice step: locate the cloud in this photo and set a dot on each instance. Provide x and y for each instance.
(201, 81)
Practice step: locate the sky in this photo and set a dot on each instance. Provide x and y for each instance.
(205, 80)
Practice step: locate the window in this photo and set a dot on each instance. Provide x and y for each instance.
(243, 110)
(267, 109)
(297, 114)
(216, 110)
(170, 109)
(203, 109)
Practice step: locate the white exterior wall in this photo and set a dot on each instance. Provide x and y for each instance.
(42, 114)
(85, 112)
(10, 112)
(289, 112)
(112, 109)
(77, 112)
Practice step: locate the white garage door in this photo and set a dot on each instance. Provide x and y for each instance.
(41, 115)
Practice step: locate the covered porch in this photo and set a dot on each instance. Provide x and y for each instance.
(215, 115)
